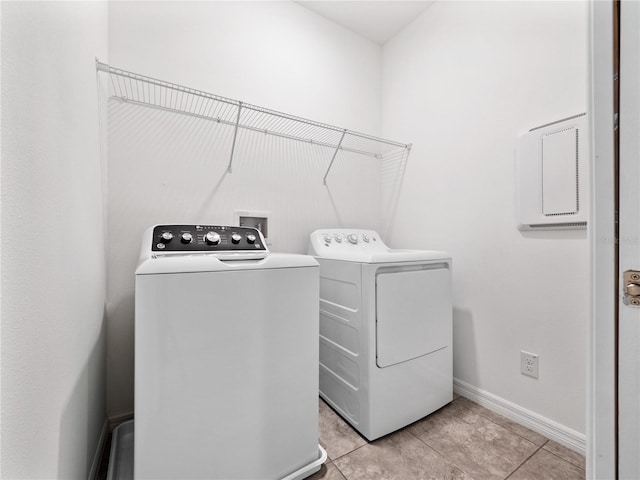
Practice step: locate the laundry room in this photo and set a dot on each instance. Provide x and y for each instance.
(409, 132)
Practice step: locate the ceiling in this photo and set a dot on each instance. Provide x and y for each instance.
(379, 21)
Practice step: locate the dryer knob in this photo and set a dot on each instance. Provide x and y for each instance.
(251, 238)
(353, 239)
(212, 238)
(186, 237)
(337, 238)
(235, 238)
(166, 237)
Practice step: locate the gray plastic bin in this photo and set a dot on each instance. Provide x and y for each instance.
(121, 457)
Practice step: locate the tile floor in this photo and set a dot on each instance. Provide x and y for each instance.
(460, 441)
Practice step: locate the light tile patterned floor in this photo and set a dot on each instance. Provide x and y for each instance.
(461, 441)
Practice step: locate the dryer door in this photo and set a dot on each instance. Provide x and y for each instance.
(413, 313)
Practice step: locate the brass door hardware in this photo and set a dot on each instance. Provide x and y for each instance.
(631, 280)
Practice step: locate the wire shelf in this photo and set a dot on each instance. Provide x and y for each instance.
(151, 92)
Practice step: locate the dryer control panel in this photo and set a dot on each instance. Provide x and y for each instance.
(331, 241)
(207, 238)
(352, 238)
(365, 246)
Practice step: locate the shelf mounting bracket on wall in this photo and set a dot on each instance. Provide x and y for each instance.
(324, 179)
(235, 135)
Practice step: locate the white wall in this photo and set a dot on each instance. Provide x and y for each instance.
(53, 266)
(168, 168)
(461, 82)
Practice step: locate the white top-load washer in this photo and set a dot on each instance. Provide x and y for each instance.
(385, 330)
(226, 357)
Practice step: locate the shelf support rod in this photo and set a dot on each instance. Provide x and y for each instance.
(324, 179)
(235, 134)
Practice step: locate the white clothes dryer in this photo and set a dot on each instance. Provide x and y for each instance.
(226, 357)
(385, 330)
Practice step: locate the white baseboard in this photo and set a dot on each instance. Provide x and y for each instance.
(566, 436)
(95, 465)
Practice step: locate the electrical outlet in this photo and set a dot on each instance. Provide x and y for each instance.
(529, 364)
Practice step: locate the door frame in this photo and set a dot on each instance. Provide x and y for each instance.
(601, 385)
(629, 231)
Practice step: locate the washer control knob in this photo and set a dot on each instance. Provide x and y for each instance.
(365, 238)
(235, 238)
(212, 238)
(353, 239)
(186, 237)
(251, 238)
(337, 238)
(166, 237)
(327, 238)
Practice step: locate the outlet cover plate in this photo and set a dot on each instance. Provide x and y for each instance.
(529, 364)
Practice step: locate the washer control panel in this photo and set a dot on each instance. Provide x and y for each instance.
(207, 238)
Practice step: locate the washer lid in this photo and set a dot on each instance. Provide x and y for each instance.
(363, 246)
(203, 262)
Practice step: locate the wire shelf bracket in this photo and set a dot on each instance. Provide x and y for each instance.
(235, 136)
(324, 179)
(150, 92)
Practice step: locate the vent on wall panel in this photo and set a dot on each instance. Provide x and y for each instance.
(551, 168)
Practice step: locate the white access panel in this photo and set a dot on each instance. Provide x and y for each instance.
(560, 172)
(413, 313)
(552, 165)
